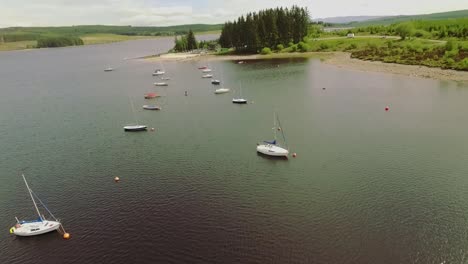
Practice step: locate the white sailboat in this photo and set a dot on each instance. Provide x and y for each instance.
(161, 84)
(221, 90)
(136, 127)
(239, 100)
(207, 76)
(108, 69)
(273, 148)
(158, 72)
(35, 227)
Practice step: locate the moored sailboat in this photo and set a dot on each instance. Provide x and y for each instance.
(272, 148)
(35, 227)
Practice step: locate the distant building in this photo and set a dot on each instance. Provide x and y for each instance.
(350, 35)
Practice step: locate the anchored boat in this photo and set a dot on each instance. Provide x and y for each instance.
(272, 148)
(239, 100)
(35, 227)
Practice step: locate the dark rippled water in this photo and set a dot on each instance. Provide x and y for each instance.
(368, 186)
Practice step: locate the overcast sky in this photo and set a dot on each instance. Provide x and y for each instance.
(176, 12)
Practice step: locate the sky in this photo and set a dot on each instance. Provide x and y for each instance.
(177, 12)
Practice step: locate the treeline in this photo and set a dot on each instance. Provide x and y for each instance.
(13, 34)
(52, 42)
(430, 29)
(267, 28)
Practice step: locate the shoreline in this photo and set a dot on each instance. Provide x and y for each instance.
(337, 59)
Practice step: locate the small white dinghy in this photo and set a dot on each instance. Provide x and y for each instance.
(151, 107)
(158, 72)
(271, 148)
(222, 90)
(161, 84)
(134, 128)
(207, 76)
(35, 227)
(206, 70)
(108, 69)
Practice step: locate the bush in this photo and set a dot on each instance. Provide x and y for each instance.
(450, 61)
(290, 44)
(351, 46)
(464, 64)
(450, 45)
(265, 51)
(324, 46)
(452, 53)
(279, 47)
(303, 47)
(293, 48)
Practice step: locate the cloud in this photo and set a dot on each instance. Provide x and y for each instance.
(164, 13)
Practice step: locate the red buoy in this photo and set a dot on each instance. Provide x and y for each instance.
(387, 108)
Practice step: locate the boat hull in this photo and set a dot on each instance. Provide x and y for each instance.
(272, 150)
(161, 84)
(35, 228)
(221, 91)
(151, 107)
(135, 128)
(239, 101)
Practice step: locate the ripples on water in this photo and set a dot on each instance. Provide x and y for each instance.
(368, 186)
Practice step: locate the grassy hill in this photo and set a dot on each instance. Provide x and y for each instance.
(13, 34)
(396, 19)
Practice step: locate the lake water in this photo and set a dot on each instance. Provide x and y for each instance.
(367, 186)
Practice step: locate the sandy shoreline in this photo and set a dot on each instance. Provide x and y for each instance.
(338, 59)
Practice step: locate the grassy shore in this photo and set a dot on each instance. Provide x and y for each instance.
(333, 58)
(17, 45)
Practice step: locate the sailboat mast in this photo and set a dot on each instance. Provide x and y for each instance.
(240, 89)
(274, 125)
(32, 198)
(133, 111)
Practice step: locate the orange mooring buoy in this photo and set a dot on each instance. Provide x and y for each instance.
(116, 179)
(294, 155)
(387, 108)
(66, 236)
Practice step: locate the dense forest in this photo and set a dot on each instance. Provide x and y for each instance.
(266, 29)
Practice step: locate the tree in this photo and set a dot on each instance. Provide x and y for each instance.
(191, 41)
(404, 30)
